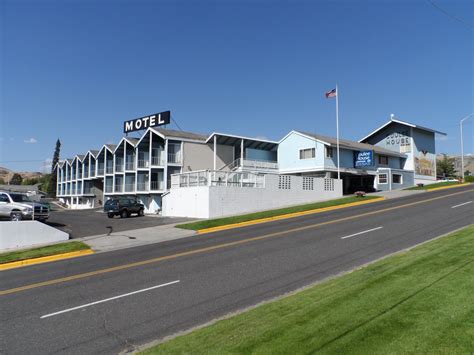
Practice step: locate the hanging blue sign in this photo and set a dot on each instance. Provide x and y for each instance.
(363, 158)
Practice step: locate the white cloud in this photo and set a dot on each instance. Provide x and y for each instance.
(30, 141)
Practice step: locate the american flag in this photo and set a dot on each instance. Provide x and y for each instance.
(332, 93)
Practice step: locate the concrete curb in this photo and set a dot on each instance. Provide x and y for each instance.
(449, 187)
(45, 259)
(285, 216)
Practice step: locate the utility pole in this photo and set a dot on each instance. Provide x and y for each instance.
(462, 144)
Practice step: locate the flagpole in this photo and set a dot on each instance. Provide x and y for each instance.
(337, 131)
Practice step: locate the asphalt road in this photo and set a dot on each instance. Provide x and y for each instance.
(110, 302)
(84, 223)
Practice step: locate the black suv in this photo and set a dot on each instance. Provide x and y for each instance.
(123, 207)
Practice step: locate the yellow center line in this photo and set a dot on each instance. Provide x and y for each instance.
(215, 247)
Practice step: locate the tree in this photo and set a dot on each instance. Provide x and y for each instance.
(2, 181)
(31, 181)
(445, 167)
(53, 178)
(16, 179)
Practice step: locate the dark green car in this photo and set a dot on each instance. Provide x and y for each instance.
(123, 207)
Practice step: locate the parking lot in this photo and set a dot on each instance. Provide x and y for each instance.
(84, 223)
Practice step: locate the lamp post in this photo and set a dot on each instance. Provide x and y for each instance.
(462, 144)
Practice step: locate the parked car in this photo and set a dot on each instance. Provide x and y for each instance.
(123, 207)
(17, 206)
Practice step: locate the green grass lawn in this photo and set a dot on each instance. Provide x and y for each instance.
(43, 251)
(433, 186)
(271, 213)
(418, 302)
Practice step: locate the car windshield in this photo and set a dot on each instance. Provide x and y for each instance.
(20, 198)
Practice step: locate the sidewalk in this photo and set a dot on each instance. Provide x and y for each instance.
(135, 237)
(396, 193)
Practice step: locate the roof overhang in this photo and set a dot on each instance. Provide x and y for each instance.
(236, 141)
(394, 120)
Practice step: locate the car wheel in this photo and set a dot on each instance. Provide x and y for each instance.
(16, 216)
(141, 212)
(124, 214)
(110, 215)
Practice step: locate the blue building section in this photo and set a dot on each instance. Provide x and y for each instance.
(416, 142)
(303, 153)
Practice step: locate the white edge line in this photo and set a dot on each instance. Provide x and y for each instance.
(367, 231)
(107, 299)
(462, 204)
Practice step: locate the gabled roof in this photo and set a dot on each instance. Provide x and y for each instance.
(353, 145)
(94, 152)
(129, 140)
(394, 120)
(109, 147)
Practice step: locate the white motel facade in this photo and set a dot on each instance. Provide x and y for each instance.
(177, 173)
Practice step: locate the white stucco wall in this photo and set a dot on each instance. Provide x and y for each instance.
(219, 201)
(24, 234)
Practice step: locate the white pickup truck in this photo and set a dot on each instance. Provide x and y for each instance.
(16, 207)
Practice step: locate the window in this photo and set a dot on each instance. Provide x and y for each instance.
(4, 198)
(383, 160)
(329, 152)
(308, 153)
(383, 178)
(397, 179)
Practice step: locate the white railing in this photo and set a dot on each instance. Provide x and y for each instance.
(142, 186)
(250, 164)
(259, 164)
(108, 188)
(110, 169)
(174, 158)
(129, 187)
(157, 186)
(130, 165)
(157, 160)
(118, 188)
(143, 163)
(218, 178)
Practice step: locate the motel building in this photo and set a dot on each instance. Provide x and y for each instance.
(178, 173)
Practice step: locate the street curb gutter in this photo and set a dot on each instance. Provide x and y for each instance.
(285, 216)
(449, 187)
(45, 259)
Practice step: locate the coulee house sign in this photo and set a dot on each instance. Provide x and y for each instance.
(363, 158)
(137, 124)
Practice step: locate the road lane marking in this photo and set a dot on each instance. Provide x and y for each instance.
(108, 299)
(462, 204)
(215, 247)
(367, 231)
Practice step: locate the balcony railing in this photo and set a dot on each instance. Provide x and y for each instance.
(143, 163)
(87, 190)
(130, 165)
(174, 158)
(129, 187)
(157, 160)
(142, 186)
(157, 185)
(110, 169)
(118, 188)
(108, 188)
(119, 168)
(100, 171)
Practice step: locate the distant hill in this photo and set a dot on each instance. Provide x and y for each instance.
(6, 174)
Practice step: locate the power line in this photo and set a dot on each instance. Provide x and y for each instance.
(448, 14)
(176, 123)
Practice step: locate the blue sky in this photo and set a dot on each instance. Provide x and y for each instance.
(75, 70)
